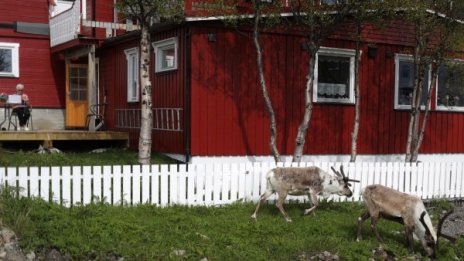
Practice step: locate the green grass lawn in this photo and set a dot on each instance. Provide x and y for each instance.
(146, 232)
(108, 157)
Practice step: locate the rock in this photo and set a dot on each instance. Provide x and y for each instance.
(30, 256)
(9, 248)
(319, 256)
(101, 150)
(453, 226)
(8, 235)
(381, 254)
(13, 252)
(54, 255)
(179, 252)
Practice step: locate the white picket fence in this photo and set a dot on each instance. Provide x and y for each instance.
(215, 184)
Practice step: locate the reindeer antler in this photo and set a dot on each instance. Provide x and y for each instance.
(440, 225)
(337, 173)
(346, 178)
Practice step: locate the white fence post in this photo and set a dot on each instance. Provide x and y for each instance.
(66, 187)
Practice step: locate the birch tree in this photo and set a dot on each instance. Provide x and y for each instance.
(374, 13)
(265, 15)
(437, 31)
(317, 25)
(258, 5)
(146, 13)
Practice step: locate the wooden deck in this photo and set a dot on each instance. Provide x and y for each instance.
(49, 137)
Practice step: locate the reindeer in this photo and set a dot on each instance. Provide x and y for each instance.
(310, 181)
(406, 209)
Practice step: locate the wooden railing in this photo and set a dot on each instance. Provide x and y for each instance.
(164, 119)
(216, 184)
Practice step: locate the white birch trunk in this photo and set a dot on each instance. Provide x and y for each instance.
(415, 153)
(304, 125)
(146, 120)
(354, 134)
(262, 83)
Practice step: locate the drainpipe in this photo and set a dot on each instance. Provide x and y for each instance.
(187, 93)
(84, 9)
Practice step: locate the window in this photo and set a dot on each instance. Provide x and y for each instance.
(450, 87)
(334, 76)
(404, 82)
(9, 60)
(132, 57)
(78, 82)
(165, 55)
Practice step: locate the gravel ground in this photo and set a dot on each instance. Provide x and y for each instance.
(454, 224)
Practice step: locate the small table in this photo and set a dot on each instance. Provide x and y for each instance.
(6, 114)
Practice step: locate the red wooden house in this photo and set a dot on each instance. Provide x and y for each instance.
(207, 103)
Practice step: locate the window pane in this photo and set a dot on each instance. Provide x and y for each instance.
(82, 72)
(167, 56)
(451, 85)
(78, 84)
(5, 60)
(406, 83)
(132, 56)
(333, 77)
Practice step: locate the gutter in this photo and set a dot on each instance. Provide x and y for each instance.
(442, 15)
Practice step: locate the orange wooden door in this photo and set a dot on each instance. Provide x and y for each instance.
(76, 95)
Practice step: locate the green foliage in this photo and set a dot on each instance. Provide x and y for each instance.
(147, 232)
(148, 11)
(109, 157)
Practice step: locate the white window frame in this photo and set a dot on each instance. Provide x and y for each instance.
(406, 57)
(132, 57)
(14, 47)
(442, 107)
(159, 47)
(336, 52)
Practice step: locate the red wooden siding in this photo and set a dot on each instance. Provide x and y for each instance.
(229, 117)
(40, 71)
(32, 11)
(168, 92)
(113, 82)
(103, 13)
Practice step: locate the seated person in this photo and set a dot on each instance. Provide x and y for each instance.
(22, 110)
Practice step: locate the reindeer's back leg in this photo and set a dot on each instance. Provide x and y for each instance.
(361, 220)
(374, 218)
(263, 198)
(280, 203)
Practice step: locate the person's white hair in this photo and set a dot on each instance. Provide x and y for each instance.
(19, 86)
